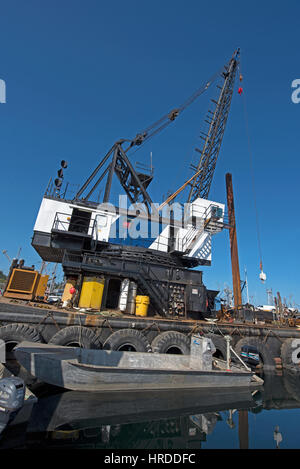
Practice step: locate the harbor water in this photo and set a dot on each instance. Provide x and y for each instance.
(262, 418)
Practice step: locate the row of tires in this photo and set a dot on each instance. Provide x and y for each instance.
(133, 340)
(122, 340)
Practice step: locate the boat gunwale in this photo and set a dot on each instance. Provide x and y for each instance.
(157, 370)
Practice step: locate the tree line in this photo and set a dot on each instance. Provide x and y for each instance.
(2, 276)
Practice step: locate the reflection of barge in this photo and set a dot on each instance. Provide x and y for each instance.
(88, 410)
(156, 419)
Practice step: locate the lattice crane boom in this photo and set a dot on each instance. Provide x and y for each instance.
(216, 119)
(116, 161)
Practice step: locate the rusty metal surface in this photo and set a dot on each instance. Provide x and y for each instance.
(233, 244)
(12, 312)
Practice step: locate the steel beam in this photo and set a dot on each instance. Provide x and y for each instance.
(233, 244)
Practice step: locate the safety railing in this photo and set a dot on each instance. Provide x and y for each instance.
(66, 191)
(211, 219)
(184, 237)
(64, 222)
(184, 244)
(72, 259)
(215, 219)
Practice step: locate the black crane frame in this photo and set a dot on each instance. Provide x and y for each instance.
(133, 183)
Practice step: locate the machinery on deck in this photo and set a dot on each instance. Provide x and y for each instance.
(154, 247)
(25, 283)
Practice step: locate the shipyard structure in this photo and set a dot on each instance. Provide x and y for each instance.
(133, 268)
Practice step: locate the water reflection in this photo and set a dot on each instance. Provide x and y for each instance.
(161, 420)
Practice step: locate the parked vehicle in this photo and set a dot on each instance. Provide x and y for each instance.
(55, 297)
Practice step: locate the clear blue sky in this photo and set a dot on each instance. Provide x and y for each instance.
(81, 75)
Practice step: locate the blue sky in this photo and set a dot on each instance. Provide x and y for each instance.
(81, 75)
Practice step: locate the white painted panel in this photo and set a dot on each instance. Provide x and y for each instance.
(49, 208)
(47, 212)
(162, 241)
(202, 248)
(201, 208)
(103, 225)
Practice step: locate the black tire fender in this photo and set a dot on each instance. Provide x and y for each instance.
(127, 340)
(220, 344)
(172, 342)
(15, 333)
(76, 336)
(12, 335)
(262, 349)
(290, 352)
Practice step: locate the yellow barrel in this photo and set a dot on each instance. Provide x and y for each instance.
(142, 303)
(91, 292)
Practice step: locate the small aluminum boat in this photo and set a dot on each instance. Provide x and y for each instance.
(81, 369)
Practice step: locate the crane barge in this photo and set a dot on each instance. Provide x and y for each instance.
(139, 248)
(155, 248)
